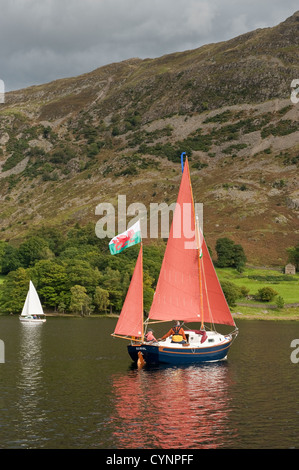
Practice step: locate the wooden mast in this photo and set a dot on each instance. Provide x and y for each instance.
(197, 239)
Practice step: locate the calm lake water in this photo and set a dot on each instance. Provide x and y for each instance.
(68, 384)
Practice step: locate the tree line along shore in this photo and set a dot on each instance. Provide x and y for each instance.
(75, 274)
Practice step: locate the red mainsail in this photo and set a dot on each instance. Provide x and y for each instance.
(188, 288)
(130, 322)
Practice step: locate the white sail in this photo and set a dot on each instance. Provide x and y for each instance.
(32, 305)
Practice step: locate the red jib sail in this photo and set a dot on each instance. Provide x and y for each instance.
(188, 289)
(130, 322)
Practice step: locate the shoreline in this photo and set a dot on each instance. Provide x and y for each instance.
(264, 316)
(238, 312)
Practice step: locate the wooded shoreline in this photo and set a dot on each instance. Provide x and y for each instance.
(269, 316)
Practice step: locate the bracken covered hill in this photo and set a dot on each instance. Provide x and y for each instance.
(71, 144)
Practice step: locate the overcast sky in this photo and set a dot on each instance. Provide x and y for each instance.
(42, 40)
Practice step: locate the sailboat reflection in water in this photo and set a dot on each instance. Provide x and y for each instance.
(188, 290)
(32, 310)
(143, 416)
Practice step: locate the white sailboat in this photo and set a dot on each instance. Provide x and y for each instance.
(32, 310)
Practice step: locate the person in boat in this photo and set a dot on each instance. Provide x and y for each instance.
(177, 333)
(150, 336)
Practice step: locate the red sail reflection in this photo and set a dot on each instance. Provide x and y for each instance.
(172, 408)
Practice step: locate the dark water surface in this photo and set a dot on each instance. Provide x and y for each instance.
(68, 384)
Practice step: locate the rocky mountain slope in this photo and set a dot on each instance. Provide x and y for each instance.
(68, 145)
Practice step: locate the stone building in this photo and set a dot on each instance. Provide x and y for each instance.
(290, 269)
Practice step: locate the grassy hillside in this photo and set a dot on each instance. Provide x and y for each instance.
(68, 145)
(254, 279)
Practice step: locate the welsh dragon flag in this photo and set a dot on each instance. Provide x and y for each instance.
(131, 237)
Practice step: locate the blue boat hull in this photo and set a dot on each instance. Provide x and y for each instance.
(157, 354)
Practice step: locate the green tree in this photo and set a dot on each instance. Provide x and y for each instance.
(232, 292)
(293, 253)
(14, 291)
(53, 237)
(52, 282)
(244, 291)
(10, 259)
(148, 291)
(265, 294)
(82, 273)
(88, 253)
(80, 301)
(279, 302)
(239, 258)
(2, 250)
(78, 236)
(64, 300)
(229, 254)
(101, 299)
(225, 252)
(112, 282)
(34, 249)
(153, 256)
